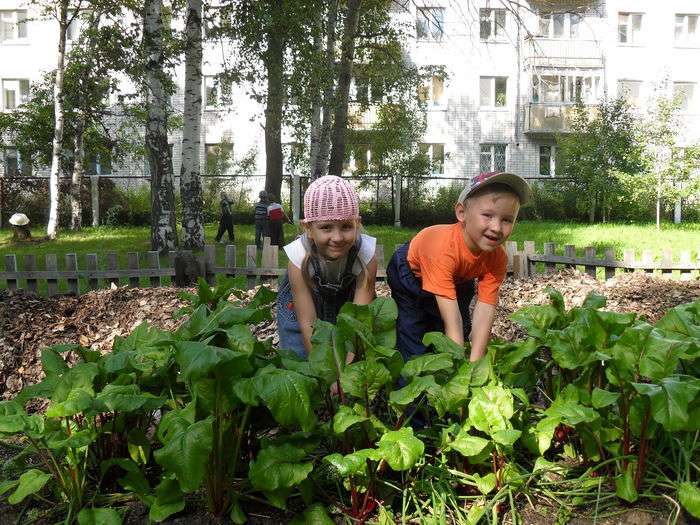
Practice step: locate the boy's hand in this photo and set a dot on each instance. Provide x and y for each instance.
(482, 322)
(451, 318)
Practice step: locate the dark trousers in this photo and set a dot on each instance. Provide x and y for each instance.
(418, 310)
(276, 232)
(225, 225)
(260, 232)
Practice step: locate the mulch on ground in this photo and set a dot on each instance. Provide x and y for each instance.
(29, 323)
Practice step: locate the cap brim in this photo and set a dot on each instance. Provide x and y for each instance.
(513, 181)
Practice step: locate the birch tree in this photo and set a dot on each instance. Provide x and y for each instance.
(62, 16)
(340, 117)
(163, 223)
(190, 177)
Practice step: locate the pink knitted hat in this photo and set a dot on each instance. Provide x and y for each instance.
(330, 198)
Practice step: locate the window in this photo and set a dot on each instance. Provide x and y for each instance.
(436, 156)
(366, 90)
(548, 161)
(492, 157)
(629, 28)
(360, 158)
(492, 91)
(73, 29)
(492, 24)
(433, 93)
(15, 92)
(217, 91)
(560, 25)
(13, 25)
(685, 91)
(687, 30)
(12, 162)
(430, 23)
(630, 90)
(101, 163)
(583, 86)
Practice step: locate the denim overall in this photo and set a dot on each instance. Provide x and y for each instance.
(328, 298)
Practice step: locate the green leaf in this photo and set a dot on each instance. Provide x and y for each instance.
(593, 300)
(8, 485)
(346, 417)
(624, 486)
(128, 398)
(186, 454)
(198, 359)
(486, 483)
(406, 395)
(52, 363)
(384, 313)
(510, 356)
(689, 496)
(575, 346)
(237, 515)
(427, 363)
(287, 394)
(353, 464)
(401, 449)
(316, 514)
(279, 468)
(99, 517)
(466, 444)
(443, 344)
(536, 320)
(169, 500)
(241, 339)
(78, 400)
(506, 436)
(31, 482)
(491, 408)
(555, 298)
(670, 400)
(602, 398)
(364, 378)
(80, 376)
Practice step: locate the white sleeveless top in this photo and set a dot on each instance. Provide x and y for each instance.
(297, 249)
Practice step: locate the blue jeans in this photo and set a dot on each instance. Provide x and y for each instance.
(418, 310)
(287, 324)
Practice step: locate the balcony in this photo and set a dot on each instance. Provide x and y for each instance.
(362, 118)
(549, 117)
(556, 52)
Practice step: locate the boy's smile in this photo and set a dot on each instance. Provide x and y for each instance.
(487, 220)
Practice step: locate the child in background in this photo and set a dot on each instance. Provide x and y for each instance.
(331, 263)
(275, 220)
(432, 277)
(260, 217)
(226, 219)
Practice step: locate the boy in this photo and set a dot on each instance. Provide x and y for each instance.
(432, 277)
(260, 217)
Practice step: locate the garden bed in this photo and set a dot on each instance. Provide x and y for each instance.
(28, 323)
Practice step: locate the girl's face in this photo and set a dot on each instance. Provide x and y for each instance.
(333, 239)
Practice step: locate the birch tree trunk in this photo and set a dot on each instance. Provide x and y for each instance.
(320, 167)
(190, 177)
(76, 209)
(274, 64)
(163, 225)
(52, 226)
(340, 120)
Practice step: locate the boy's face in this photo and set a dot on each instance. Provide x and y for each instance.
(487, 220)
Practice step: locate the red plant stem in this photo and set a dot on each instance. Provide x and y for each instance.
(626, 435)
(642, 458)
(494, 466)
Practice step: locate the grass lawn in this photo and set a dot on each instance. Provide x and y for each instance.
(127, 239)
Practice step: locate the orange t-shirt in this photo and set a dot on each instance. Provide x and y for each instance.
(440, 258)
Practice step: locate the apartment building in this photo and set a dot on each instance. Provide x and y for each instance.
(514, 72)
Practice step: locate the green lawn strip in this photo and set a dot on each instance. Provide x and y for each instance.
(122, 240)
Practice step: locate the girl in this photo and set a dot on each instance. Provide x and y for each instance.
(330, 264)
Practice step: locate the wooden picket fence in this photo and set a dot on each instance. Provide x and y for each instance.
(91, 275)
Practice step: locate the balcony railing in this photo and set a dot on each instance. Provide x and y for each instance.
(362, 118)
(549, 117)
(548, 52)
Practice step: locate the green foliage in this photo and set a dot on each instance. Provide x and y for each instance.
(210, 411)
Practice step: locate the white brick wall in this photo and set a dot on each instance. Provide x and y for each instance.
(461, 125)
